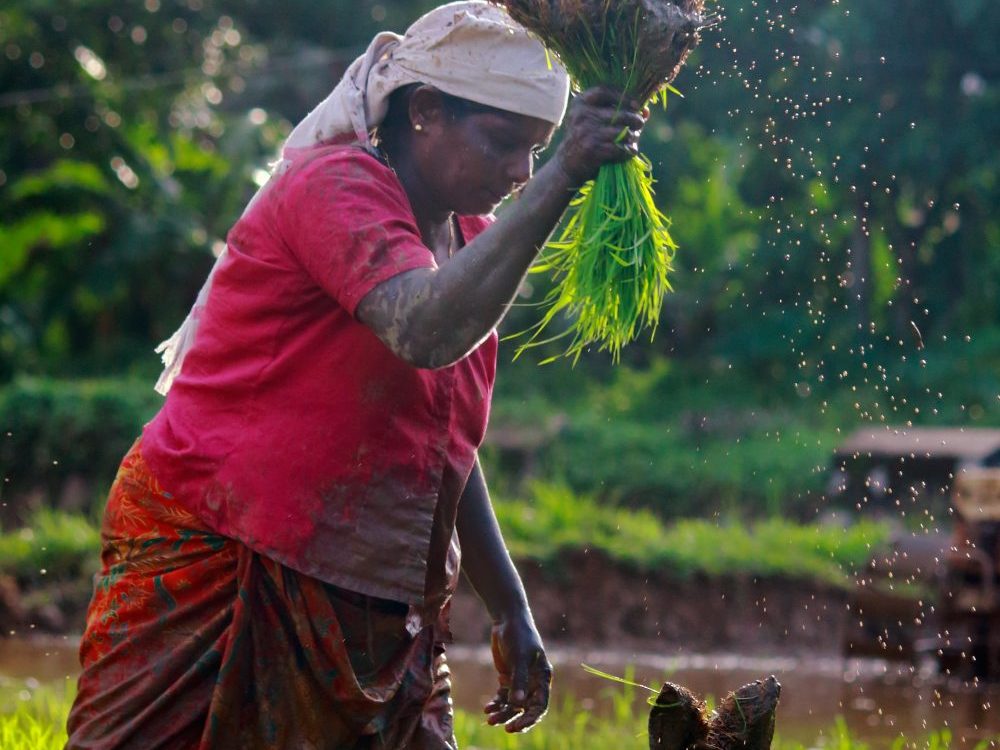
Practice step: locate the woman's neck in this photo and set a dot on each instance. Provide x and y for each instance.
(435, 223)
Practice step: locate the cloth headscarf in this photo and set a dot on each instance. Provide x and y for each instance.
(470, 49)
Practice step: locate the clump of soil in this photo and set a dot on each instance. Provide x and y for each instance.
(746, 717)
(677, 720)
(639, 43)
(744, 721)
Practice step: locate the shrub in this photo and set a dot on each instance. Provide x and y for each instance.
(53, 430)
(678, 471)
(54, 545)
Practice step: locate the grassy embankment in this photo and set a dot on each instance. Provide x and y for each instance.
(33, 718)
(555, 520)
(551, 520)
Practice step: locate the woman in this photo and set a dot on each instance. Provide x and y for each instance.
(281, 544)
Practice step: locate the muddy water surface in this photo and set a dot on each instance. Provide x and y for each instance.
(878, 701)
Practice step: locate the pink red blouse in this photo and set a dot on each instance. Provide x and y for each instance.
(292, 427)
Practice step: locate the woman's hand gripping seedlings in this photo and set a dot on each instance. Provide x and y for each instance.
(601, 128)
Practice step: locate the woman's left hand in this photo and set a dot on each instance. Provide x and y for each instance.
(525, 675)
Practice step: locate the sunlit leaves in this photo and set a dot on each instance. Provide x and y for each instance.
(40, 230)
(116, 152)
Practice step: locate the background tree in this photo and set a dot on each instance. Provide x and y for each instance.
(831, 171)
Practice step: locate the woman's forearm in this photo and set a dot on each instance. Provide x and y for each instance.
(524, 671)
(485, 560)
(474, 290)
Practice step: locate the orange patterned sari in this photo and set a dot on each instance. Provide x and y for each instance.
(195, 641)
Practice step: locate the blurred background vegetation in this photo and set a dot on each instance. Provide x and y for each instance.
(832, 173)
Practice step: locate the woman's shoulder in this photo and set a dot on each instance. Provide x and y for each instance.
(342, 174)
(347, 161)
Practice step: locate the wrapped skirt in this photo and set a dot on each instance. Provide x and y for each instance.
(195, 641)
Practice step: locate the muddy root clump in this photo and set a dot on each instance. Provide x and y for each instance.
(744, 721)
(597, 39)
(677, 720)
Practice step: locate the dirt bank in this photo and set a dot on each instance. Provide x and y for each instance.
(587, 600)
(581, 599)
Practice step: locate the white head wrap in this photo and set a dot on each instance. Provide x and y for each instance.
(471, 49)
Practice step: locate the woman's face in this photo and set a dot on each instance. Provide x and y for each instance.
(473, 161)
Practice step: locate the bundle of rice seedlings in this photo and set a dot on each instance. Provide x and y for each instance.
(613, 258)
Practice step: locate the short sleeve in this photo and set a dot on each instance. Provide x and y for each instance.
(345, 218)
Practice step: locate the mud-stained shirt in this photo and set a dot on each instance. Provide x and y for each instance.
(292, 427)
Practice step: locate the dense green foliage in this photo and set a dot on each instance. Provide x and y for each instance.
(55, 430)
(681, 471)
(706, 438)
(831, 168)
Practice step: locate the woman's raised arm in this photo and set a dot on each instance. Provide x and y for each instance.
(434, 317)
